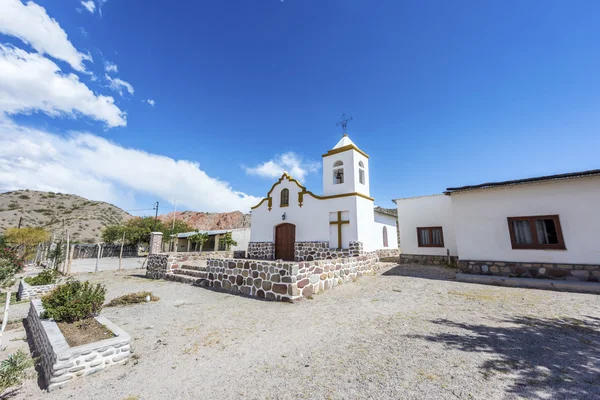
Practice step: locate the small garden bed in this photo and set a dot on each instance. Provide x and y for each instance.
(84, 332)
(35, 286)
(71, 339)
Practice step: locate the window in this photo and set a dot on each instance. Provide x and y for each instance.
(539, 232)
(385, 237)
(338, 172)
(361, 173)
(430, 236)
(284, 200)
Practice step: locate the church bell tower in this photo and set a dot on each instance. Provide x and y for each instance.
(345, 169)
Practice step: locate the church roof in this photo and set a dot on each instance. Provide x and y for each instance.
(344, 141)
(343, 145)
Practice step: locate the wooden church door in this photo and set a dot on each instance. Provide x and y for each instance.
(285, 239)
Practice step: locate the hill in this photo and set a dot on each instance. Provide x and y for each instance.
(84, 218)
(210, 221)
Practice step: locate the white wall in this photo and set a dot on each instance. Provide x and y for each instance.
(482, 228)
(389, 222)
(242, 237)
(311, 220)
(351, 184)
(426, 211)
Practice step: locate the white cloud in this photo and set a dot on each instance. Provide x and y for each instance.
(110, 67)
(30, 23)
(117, 85)
(30, 82)
(151, 102)
(290, 162)
(89, 5)
(95, 168)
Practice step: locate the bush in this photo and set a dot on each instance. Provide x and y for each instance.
(10, 264)
(12, 370)
(74, 301)
(46, 277)
(132, 298)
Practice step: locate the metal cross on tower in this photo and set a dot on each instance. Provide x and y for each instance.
(343, 122)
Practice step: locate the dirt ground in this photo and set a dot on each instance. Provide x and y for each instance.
(408, 332)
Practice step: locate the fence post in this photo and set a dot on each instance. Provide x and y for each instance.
(70, 255)
(121, 253)
(98, 257)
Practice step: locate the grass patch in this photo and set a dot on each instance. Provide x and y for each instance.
(132, 298)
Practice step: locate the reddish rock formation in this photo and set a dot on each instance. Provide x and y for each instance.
(210, 221)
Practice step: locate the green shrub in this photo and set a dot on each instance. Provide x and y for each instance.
(10, 264)
(46, 277)
(74, 301)
(13, 370)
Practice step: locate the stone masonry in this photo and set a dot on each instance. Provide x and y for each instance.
(27, 291)
(310, 251)
(570, 272)
(261, 250)
(61, 363)
(426, 259)
(273, 280)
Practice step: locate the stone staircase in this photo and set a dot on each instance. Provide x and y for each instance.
(191, 274)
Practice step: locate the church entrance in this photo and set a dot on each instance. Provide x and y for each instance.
(285, 239)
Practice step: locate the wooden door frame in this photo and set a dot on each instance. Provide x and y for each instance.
(294, 241)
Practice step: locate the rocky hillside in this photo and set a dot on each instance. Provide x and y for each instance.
(210, 221)
(84, 218)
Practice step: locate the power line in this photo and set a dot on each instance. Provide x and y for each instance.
(141, 209)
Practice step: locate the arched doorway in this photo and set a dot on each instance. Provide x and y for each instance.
(285, 239)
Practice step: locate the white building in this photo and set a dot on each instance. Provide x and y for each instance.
(545, 226)
(292, 223)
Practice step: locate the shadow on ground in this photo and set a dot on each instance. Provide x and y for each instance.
(559, 357)
(422, 271)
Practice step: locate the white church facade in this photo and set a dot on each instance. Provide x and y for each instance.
(294, 224)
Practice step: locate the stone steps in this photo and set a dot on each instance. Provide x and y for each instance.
(195, 268)
(183, 279)
(191, 272)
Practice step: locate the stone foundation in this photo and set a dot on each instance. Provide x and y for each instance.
(27, 291)
(311, 251)
(388, 254)
(261, 250)
(570, 272)
(157, 266)
(61, 363)
(427, 259)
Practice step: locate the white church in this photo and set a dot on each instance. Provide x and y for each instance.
(294, 224)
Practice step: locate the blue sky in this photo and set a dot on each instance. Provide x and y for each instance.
(442, 94)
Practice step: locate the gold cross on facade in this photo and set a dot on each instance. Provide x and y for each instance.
(339, 223)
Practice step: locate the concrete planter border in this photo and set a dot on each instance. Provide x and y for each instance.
(61, 363)
(27, 291)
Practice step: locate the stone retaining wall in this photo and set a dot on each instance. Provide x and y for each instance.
(27, 291)
(576, 272)
(61, 363)
(261, 250)
(284, 281)
(426, 259)
(157, 266)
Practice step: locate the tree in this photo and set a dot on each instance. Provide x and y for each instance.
(25, 240)
(10, 265)
(198, 239)
(228, 240)
(137, 230)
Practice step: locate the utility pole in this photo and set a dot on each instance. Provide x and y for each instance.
(173, 228)
(155, 216)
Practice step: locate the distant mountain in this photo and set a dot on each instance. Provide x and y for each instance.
(210, 221)
(84, 218)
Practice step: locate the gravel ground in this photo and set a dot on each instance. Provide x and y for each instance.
(409, 332)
